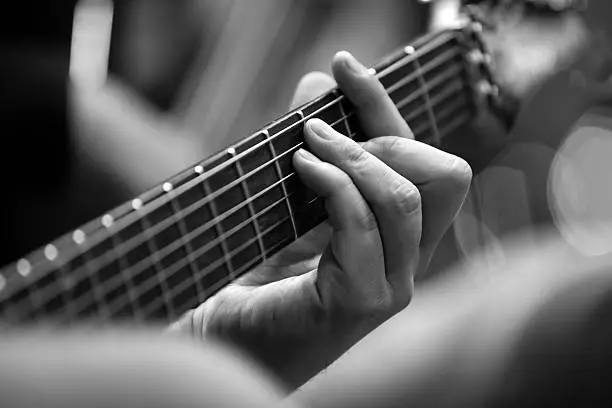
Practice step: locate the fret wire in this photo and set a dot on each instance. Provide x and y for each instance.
(295, 148)
(67, 280)
(89, 273)
(152, 206)
(187, 244)
(345, 117)
(218, 228)
(279, 174)
(93, 277)
(159, 271)
(40, 301)
(425, 88)
(247, 195)
(123, 274)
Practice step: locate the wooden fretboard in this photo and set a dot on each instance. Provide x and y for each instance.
(175, 245)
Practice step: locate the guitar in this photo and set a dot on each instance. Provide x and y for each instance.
(173, 246)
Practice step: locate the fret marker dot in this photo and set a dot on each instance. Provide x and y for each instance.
(78, 236)
(107, 220)
(372, 71)
(136, 203)
(409, 50)
(24, 267)
(198, 169)
(231, 151)
(166, 187)
(2, 282)
(50, 252)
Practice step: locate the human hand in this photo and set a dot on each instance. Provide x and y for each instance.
(389, 201)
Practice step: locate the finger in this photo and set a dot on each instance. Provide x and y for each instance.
(394, 200)
(310, 86)
(356, 242)
(377, 112)
(442, 178)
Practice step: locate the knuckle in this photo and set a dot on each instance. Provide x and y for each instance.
(459, 171)
(391, 145)
(354, 154)
(406, 198)
(367, 221)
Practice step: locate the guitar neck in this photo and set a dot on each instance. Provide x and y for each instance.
(177, 244)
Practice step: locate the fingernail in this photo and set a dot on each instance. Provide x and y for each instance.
(354, 65)
(321, 129)
(306, 155)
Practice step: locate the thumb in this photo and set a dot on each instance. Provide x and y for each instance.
(310, 86)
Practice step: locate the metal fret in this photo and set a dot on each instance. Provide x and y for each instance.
(196, 285)
(124, 267)
(344, 117)
(284, 187)
(245, 189)
(85, 308)
(159, 272)
(219, 230)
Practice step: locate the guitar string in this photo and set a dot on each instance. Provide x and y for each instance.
(344, 118)
(171, 249)
(435, 63)
(207, 270)
(144, 263)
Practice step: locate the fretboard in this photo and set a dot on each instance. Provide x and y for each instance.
(177, 244)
